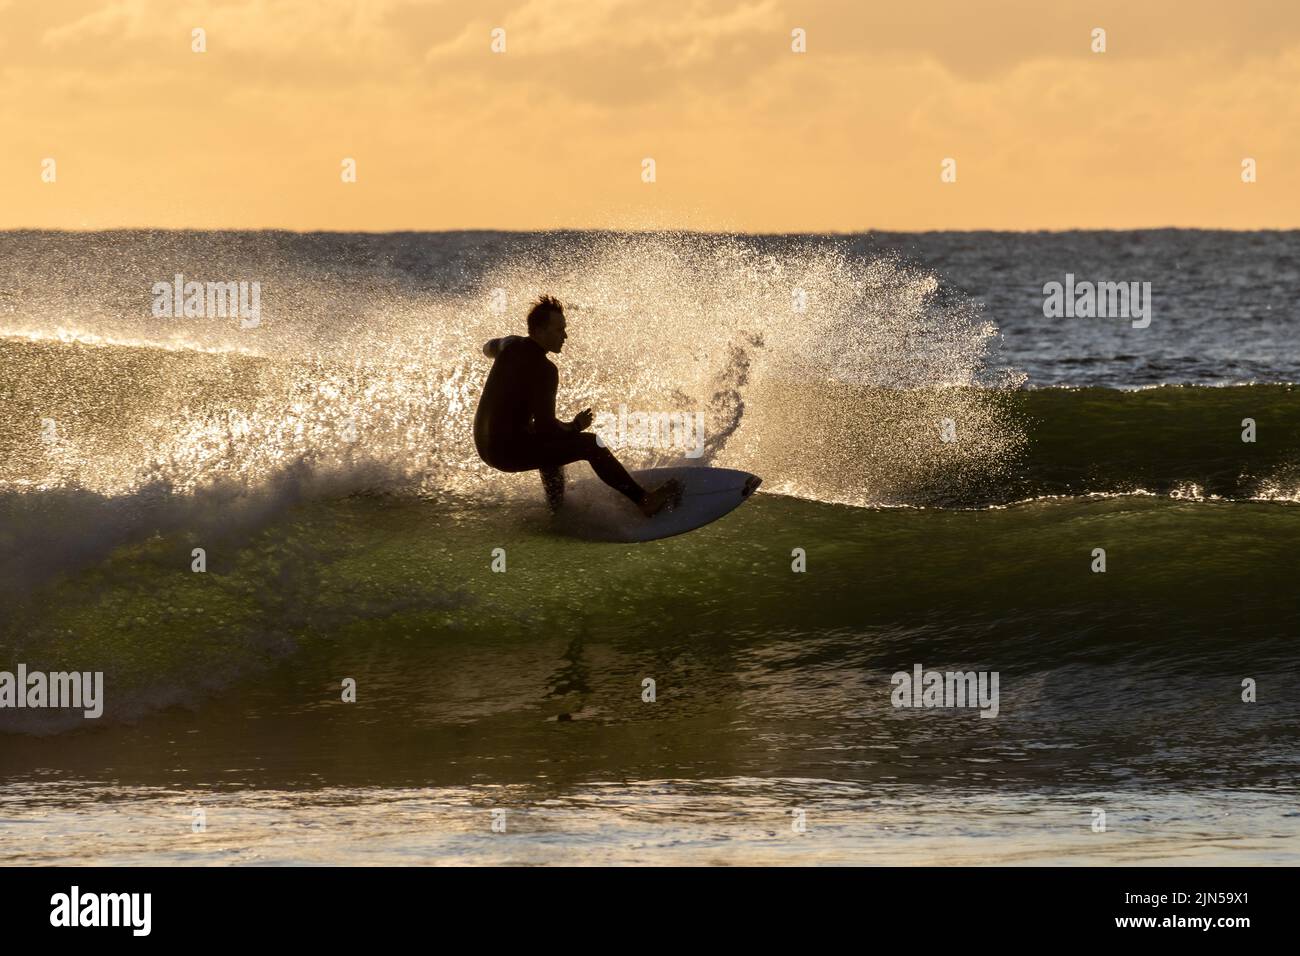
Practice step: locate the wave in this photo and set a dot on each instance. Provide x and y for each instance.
(1192, 589)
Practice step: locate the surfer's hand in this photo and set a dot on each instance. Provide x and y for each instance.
(582, 420)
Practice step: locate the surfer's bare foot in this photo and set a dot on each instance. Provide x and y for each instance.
(668, 494)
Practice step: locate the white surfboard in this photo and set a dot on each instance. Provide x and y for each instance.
(594, 511)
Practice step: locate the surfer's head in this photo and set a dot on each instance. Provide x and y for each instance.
(546, 323)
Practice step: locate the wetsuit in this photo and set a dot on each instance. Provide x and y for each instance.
(515, 428)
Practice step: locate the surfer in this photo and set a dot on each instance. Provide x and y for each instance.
(515, 428)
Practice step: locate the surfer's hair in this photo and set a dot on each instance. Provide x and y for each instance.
(541, 311)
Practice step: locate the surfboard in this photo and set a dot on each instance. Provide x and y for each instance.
(595, 512)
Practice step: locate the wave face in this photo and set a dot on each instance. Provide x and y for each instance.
(1140, 668)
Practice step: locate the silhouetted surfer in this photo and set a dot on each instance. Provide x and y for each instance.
(515, 428)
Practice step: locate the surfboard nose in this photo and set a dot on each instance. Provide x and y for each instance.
(751, 485)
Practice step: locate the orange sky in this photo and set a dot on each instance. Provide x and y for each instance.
(746, 134)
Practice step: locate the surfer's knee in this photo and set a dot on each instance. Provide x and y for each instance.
(592, 448)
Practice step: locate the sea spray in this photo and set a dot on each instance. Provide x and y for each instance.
(824, 372)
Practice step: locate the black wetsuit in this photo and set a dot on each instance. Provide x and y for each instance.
(515, 428)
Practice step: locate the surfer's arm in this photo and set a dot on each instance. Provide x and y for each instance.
(576, 425)
(543, 410)
(493, 348)
(544, 420)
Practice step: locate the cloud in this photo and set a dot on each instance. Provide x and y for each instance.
(552, 132)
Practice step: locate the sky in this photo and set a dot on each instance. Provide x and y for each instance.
(745, 133)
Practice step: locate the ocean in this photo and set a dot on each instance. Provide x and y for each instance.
(242, 519)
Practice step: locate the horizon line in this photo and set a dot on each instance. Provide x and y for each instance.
(646, 231)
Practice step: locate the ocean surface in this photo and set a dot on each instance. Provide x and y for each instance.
(940, 459)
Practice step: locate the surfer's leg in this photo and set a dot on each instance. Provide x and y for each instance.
(584, 447)
(611, 471)
(553, 485)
